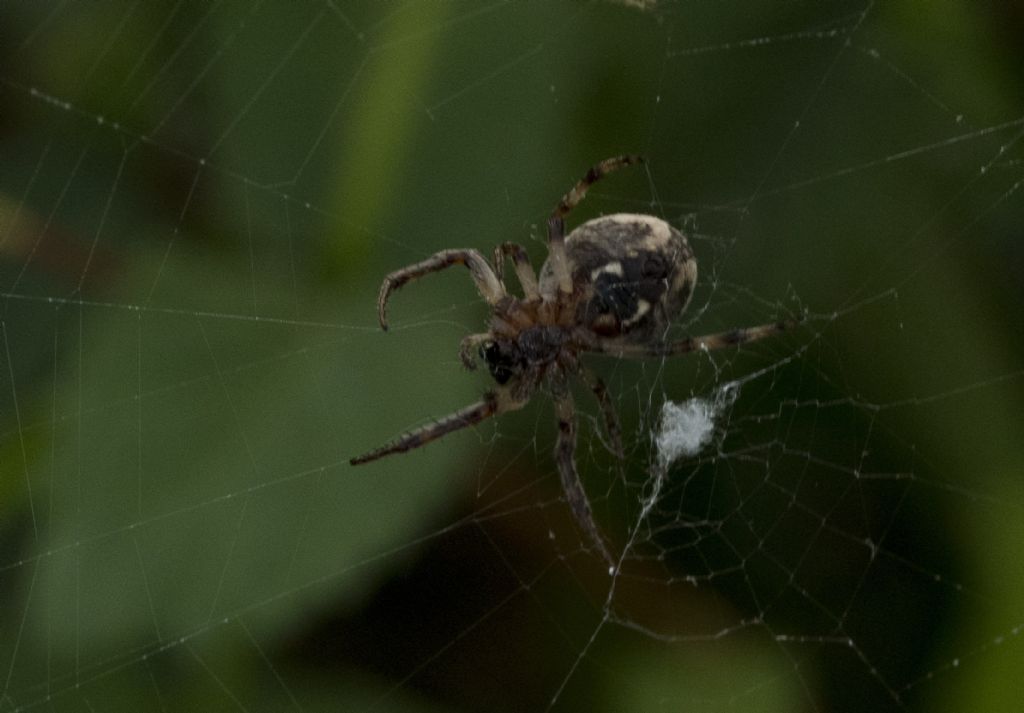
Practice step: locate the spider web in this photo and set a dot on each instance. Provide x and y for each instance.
(197, 203)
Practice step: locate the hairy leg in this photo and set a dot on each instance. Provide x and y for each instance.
(709, 342)
(611, 418)
(565, 459)
(524, 270)
(468, 347)
(556, 223)
(469, 416)
(486, 281)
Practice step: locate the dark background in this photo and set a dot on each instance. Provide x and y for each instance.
(197, 204)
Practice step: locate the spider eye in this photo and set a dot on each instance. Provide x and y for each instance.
(489, 352)
(501, 360)
(501, 374)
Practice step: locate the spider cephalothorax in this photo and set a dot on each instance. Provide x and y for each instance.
(612, 286)
(534, 349)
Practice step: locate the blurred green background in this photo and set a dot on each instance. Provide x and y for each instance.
(197, 203)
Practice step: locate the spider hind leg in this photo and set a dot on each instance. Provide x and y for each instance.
(556, 223)
(571, 199)
(708, 342)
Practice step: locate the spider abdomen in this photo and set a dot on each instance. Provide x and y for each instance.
(632, 275)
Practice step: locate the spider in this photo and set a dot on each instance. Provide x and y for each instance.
(612, 286)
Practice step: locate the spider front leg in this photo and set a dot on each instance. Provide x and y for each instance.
(468, 348)
(565, 459)
(709, 342)
(486, 281)
(524, 270)
(556, 223)
(492, 404)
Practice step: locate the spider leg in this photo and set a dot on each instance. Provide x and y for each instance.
(571, 199)
(611, 418)
(486, 281)
(719, 340)
(524, 270)
(491, 405)
(468, 347)
(565, 451)
(556, 223)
